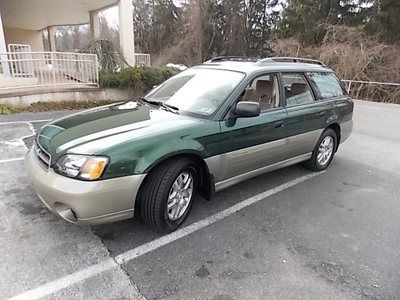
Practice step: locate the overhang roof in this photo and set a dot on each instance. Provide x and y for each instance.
(39, 14)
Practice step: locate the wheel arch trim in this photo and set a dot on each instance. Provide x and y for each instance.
(337, 128)
(206, 185)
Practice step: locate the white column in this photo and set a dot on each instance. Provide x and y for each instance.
(52, 38)
(126, 35)
(3, 49)
(95, 24)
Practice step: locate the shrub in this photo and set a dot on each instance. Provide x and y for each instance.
(63, 105)
(112, 80)
(151, 77)
(131, 77)
(138, 78)
(53, 106)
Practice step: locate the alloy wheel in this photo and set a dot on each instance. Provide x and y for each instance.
(325, 150)
(180, 195)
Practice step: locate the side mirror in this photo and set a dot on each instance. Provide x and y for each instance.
(247, 109)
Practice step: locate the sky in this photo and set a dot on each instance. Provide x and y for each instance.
(111, 15)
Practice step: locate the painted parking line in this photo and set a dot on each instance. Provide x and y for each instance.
(17, 145)
(11, 160)
(111, 263)
(28, 121)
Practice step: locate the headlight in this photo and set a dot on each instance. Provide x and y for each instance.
(81, 166)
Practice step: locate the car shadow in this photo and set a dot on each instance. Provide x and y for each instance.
(121, 236)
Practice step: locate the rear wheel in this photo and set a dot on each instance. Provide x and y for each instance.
(167, 195)
(323, 152)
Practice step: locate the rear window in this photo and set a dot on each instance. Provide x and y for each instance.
(328, 84)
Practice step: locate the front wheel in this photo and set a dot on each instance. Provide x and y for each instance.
(323, 152)
(168, 193)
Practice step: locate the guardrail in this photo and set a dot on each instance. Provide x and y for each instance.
(374, 90)
(25, 69)
(350, 82)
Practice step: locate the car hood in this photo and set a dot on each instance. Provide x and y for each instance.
(92, 130)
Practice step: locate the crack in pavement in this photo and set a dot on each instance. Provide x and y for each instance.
(120, 268)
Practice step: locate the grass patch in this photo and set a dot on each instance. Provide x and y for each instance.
(53, 106)
(6, 109)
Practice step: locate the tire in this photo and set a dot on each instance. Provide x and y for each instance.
(318, 162)
(158, 191)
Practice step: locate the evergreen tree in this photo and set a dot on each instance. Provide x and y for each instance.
(386, 20)
(308, 19)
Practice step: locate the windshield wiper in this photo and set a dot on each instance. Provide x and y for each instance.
(162, 104)
(169, 107)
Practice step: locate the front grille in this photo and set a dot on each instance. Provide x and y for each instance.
(42, 155)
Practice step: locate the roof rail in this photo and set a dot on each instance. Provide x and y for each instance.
(291, 59)
(233, 58)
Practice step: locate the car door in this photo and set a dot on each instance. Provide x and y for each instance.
(248, 144)
(306, 117)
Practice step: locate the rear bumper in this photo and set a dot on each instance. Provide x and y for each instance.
(82, 202)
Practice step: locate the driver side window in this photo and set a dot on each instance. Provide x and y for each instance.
(263, 89)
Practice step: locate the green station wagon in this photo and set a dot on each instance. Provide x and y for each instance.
(203, 130)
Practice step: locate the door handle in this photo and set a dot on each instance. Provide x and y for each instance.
(279, 124)
(322, 114)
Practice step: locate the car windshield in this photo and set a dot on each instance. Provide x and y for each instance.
(199, 91)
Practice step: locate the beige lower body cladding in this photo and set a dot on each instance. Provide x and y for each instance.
(27, 96)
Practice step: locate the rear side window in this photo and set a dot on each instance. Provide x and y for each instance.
(328, 84)
(297, 90)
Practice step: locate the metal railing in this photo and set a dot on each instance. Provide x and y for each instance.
(19, 48)
(374, 90)
(142, 59)
(350, 83)
(25, 69)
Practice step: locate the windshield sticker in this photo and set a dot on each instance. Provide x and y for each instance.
(206, 110)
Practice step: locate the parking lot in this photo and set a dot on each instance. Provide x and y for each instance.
(289, 234)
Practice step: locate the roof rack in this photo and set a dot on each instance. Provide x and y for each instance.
(291, 59)
(265, 60)
(233, 58)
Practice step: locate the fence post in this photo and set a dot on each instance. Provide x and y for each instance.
(53, 67)
(349, 87)
(96, 68)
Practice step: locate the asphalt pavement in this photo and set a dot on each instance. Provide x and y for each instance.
(289, 234)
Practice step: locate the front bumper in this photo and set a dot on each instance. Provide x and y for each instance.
(82, 202)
